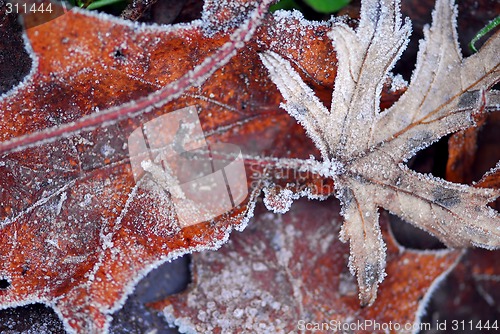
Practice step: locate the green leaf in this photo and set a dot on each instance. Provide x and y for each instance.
(284, 4)
(489, 27)
(102, 3)
(327, 6)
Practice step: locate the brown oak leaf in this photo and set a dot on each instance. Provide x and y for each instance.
(474, 150)
(286, 272)
(77, 231)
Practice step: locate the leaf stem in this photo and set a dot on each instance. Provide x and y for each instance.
(157, 99)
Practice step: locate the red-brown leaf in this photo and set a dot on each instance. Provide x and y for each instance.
(283, 269)
(77, 233)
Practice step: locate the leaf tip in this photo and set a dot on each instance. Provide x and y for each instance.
(369, 278)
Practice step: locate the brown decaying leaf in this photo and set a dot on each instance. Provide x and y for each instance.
(77, 233)
(491, 179)
(284, 269)
(484, 270)
(364, 149)
(475, 150)
(14, 65)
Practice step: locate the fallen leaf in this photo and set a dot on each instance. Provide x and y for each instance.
(77, 232)
(473, 151)
(467, 300)
(364, 150)
(286, 272)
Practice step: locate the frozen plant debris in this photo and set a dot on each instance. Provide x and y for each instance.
(371, 146)
(284, 270)
(77, 231)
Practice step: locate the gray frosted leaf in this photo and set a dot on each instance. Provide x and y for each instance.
(369, 148)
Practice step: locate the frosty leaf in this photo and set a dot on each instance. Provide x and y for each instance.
(77, 232)
(287, 268)
(366, 149)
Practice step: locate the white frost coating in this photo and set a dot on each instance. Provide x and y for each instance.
(233, 298)
(492, 171)
(107, 150)
(379, 41)
(280, 202)
(363, 149)
(38, 300)
(107, 244)
(378, 166)
(164, 177)
(286, 20)
(398, 82)
(87, 200)
(157, 99)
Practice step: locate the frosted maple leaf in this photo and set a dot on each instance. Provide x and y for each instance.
(364, 150)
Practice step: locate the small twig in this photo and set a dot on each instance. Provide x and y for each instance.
(155, 100)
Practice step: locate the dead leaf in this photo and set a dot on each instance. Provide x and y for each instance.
(364, 149)
(286, 271)
(14, 61)
(462, 147)
(77, 232)
(468, 297)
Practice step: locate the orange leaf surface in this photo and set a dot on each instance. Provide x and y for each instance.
(77, 232)
(286, 272)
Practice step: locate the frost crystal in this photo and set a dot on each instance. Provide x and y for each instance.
(367, 148)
